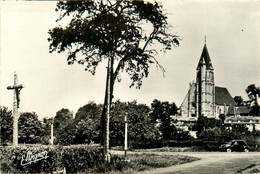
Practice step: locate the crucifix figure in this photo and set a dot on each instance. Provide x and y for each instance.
(17, 88)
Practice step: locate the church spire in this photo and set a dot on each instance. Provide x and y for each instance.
(204, 58)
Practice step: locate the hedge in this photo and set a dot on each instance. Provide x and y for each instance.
(48, 159)
(166, 143)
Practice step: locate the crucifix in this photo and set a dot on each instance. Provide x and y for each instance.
(17, 88)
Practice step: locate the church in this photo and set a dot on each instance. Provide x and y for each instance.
(203, 97)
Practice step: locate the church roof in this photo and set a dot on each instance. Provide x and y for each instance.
(205, 59)
(223, 97)
(244, 110)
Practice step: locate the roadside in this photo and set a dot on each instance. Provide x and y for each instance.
(211, 162)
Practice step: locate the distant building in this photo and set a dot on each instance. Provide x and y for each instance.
(203, 97)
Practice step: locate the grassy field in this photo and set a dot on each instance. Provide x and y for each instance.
(141, 162)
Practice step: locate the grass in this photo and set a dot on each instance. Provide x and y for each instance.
(141, 162)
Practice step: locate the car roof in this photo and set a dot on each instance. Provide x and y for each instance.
(237, 140)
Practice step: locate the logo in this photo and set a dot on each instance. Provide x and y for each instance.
(29, 157)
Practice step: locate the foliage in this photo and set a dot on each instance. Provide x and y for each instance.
(73, 158)
(89, 111)
(243, 119)
(140, 125)
(99, 30)
(255, 110)
(204, 123)
(6, 121)
(11, 157)
(30, 129)
(239, 130)
(67, 135)
(87, 127)
(161, 111)
(224, 133)
(211, 134)
(46, 124)
(81, 158)
(239, 100)
(143, 161)
(253, 93)
(86, 131)
(167, 143)
(62, 118)
(113, 30)
(84, 128)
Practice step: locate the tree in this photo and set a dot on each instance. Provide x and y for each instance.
(141, 127)
(6, 121)
(46, 124)
(253, 93)
(84, 128)
(62, 118)
(204, 123)
(89, 111)
(113, 30)
(30, 128)
(67, 135)
(88, 127)
(162, 111)
(239, 100)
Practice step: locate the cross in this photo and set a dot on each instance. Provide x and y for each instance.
(17, 88)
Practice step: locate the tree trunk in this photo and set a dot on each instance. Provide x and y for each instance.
(104, 111)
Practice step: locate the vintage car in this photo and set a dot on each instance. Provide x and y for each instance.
(235, 146)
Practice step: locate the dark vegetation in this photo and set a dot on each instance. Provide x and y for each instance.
(144, 161)
(73, 158)
(146, 128)
(82, 159)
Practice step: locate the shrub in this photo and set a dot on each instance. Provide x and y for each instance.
(166, 143)
(79, 158)
(73, 158)
(17, 159)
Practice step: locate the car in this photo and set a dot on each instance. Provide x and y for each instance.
(235, 146)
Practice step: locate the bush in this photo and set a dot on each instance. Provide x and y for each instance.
(18, 159)
(79, 158)
(23, 159)
(166, 143)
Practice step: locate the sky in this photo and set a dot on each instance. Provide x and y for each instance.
(232, 37)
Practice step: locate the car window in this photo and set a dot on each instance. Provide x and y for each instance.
(230, 142)
(235, 143)
(241, 143)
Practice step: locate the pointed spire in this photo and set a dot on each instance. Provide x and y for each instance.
(204, 58)
(205, 39)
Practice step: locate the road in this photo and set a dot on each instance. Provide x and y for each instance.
(210, 163)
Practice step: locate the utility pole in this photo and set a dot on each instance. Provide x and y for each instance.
(125, 148)
(17, 88)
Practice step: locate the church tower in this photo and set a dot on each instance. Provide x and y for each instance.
(205, 89)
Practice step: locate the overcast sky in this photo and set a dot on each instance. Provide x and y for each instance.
(233, 41)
